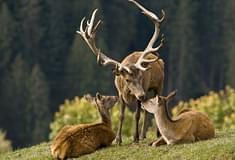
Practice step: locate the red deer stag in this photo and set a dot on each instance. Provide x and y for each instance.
(139, 72)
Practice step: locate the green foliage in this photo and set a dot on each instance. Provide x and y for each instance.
(15, 101)
(79, 110)
(182, 49)
(5, 145)
(37, 110)
(6, 39)
(220, 107)
(229, 22)
(26, 103)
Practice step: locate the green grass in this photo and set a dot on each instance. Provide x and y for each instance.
(220, 148)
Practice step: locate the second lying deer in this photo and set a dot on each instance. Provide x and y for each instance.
(189, 126)
(76, 140)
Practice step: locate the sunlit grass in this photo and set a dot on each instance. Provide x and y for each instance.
(222, 148)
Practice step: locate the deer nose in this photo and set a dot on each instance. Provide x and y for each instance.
(141, 97)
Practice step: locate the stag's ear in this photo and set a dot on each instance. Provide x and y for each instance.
(116, 72)
(171, 95)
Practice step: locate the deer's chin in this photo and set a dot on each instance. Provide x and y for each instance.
(150, 105)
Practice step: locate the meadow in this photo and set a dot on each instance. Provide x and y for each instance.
(222, 147)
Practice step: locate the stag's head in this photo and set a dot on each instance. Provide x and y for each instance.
(132, 73)
(133, 81)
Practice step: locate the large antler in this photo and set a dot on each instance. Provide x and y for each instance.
(149, 49)
(89, 35)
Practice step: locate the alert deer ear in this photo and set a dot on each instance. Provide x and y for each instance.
(157, 98)
(171, 95)
(98, 96)
(116, 72)
(116, 99)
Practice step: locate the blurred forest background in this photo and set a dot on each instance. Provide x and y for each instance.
(43, 61)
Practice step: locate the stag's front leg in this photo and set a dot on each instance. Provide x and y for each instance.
(118, 139)
(137, 118)
(146, 124)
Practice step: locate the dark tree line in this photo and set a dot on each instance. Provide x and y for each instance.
(43, 61)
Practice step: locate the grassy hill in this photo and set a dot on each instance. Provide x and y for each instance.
(220, 148)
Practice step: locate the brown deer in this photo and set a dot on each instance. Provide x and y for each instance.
(189, 126)
(139, 72)
(76, 140)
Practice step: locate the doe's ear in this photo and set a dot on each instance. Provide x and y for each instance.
(98, 96)
(157, 98)
(171, 95)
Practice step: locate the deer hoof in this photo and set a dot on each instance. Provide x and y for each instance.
(142, 136)
(151, 143)
(118, 140)
(136, 140)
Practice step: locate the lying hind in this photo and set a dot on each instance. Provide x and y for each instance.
(75, 140)
(189, 126)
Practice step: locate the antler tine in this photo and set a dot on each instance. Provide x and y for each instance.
(91, 23)
(145, 53)
(156, 20)
(81, 27)
(148, 13)
(89, 36)
(149, 49)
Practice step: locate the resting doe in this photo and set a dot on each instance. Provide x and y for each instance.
(189, 126)
(75, 140)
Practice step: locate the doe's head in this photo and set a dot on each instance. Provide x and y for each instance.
(105, 102)
(152, 105)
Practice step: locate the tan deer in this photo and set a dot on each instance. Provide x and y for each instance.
(189, 126)
(76, 140)
(139, 72)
